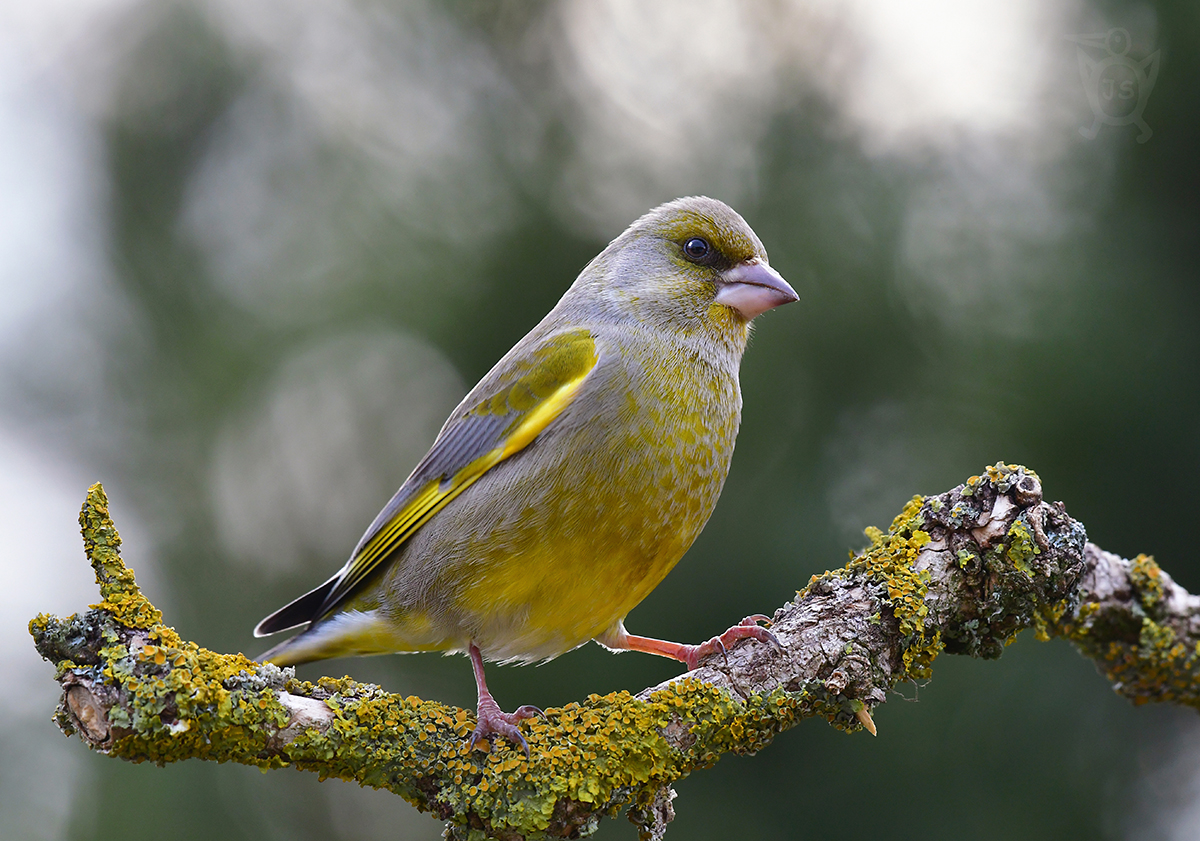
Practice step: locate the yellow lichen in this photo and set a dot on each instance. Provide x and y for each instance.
(1161, 666)
(889, 561)
(1021, 547)
(1146, 577)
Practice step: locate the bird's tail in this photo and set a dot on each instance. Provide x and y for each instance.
(284, 654)
(350, 633)
(295, 613)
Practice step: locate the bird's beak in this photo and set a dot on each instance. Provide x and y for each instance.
(753, 287)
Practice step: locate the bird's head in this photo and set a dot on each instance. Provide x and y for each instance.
(692, 265)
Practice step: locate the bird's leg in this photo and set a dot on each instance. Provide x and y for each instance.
(691, 655)
(491, 721)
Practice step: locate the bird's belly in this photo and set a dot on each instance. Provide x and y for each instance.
(555, 577)
(559, 593)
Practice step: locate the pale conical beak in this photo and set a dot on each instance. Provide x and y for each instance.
(752, 288)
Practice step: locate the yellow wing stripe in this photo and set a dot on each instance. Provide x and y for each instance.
(537, 420)
(432, 499)
(421, 502)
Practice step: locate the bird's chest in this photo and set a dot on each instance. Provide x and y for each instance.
(674, 438)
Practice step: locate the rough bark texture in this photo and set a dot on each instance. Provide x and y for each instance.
(962, 572)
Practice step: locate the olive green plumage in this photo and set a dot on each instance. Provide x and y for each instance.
(578, 471)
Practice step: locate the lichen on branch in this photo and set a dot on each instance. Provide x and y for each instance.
(1141, 628)
(962, 572)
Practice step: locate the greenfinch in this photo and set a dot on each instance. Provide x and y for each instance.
(573, 477)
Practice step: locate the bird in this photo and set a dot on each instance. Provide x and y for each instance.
(574, 476)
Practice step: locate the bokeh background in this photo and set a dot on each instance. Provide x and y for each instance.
(252, 251)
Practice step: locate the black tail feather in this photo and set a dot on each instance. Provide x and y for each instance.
(299, 612)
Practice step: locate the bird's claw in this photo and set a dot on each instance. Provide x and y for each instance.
(493, 722)
(748, 628)
(766, 635)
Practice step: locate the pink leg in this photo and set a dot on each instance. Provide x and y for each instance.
(491, 721)
(748, 628)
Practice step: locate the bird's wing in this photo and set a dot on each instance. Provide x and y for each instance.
(514, 404)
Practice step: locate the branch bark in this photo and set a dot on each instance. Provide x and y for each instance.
(962, 572)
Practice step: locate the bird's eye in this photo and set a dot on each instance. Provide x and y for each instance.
(696, 248)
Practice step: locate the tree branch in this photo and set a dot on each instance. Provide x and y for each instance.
(962, 572)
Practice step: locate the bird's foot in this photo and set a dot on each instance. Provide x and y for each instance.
(748, 628)
(621, 640)
(493, 722)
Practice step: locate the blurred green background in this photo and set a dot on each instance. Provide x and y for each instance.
(252, 252)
